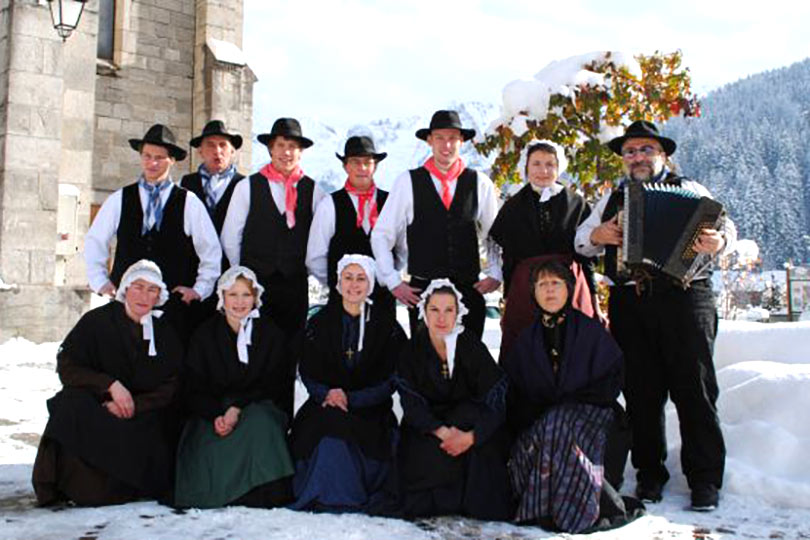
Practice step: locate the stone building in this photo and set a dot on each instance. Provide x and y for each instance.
(67, 110)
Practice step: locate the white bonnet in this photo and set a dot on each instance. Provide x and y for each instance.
(228, 278)
(147, 271)
(364, 261)
(438, 284)
(562, 161)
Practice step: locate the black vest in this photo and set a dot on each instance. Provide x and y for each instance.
(268, 245)
(614, 204)
(442, 242)
(348, 237)
(193, 183)
(168, 247)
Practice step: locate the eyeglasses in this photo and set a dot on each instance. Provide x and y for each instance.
(552, 284)
(647, 150)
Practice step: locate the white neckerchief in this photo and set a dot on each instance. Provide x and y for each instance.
(547, 192)
(149, 329)
(450, 343)
(243, 339)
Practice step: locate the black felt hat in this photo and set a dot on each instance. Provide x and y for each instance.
(641, 129)
(217, 127)
(160, 135)
(360, 145)
(289, 128)
(445, 120)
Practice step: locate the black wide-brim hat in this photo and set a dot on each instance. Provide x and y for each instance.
(217, 127)
(160, 135)
(360, 146)
(641, 129)
(288, 128)
(445, 120)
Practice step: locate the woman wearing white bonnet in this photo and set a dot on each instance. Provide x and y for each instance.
(343, 434)
(105, 442)
(536, 224)
(454, 446)
(233, 449)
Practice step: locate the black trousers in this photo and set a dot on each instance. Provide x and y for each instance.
(472, 299)
(286, 302)
(667, 335)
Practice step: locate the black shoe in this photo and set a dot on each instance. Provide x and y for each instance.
(649, 492)
(704, 498)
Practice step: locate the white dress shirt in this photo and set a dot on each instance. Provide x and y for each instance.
(391, 229)
(322, 231)
(235, 219)
(196, 224)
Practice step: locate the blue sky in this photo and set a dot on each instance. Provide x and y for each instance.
(345, 62)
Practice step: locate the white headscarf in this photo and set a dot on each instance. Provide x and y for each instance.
(452, 337)
(225, 282)
(149, 272)
(562, 164)
(368, 265)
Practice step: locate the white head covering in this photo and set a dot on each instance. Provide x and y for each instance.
(368, 265)
(225, 282)
(149, 272)
(452, 336)
(562, 165)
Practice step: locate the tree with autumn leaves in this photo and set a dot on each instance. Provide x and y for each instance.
(582, 116)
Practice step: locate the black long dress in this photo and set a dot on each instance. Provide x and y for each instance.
(475, 483)
(251, 465)
(563, 382)
(343, 459)
(90, 456)
(528, 230)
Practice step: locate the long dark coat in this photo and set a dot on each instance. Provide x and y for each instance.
(474, 483)
(368, 386)
(105, 346)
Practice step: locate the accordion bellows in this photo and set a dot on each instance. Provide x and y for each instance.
(660, 224)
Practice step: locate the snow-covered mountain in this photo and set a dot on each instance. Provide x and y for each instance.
(393, 135)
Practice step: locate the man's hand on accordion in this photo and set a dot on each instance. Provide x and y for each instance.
(608, 233)
(709, 241)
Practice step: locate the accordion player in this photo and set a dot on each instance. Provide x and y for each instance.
(660, 223)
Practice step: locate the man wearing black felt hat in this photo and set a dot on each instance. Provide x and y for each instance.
(267, 228)
(438, 211)
(665, 330)
(156, 220)
(343, 221)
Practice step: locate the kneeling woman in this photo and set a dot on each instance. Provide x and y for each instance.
(454, 446)
(108, 436)
(342, 437)
(233, 449)
(564, 376)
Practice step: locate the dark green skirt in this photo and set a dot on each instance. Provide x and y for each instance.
(213, 471)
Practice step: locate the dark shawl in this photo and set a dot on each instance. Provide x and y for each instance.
(590, 370)
(368, 385)
(104, 346)
(215, 379)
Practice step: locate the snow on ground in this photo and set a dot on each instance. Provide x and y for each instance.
(763, 373)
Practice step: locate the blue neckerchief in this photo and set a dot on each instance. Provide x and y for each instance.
(154, 208)
(214, 185)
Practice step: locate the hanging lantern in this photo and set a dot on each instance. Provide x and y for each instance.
(65, 15)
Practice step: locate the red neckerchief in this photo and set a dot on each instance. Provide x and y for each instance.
(445, 178)
(362, 197)
(290, 193)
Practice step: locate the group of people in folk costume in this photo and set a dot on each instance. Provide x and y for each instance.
(193, 403)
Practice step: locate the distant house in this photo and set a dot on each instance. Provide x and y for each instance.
(66, 112)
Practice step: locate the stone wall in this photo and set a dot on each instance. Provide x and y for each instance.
(150, 81)
(36, 127)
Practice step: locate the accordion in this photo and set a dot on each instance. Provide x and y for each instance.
(660, 223)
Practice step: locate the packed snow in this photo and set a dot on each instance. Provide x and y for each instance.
(763, 372)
